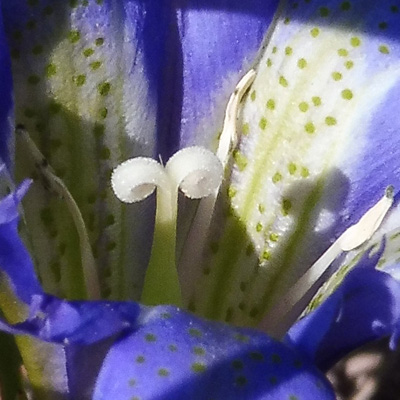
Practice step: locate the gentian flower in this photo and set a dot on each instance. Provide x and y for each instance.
(98, 82)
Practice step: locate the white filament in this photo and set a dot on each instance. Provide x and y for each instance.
(137, 178)
(228, 139)
(352, 238)
(196, 171)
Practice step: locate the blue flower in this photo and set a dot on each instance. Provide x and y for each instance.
(311, 150)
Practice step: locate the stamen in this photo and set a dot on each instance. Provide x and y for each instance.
(195, 170)
(190, 259)
(55, 184)
(279, 320)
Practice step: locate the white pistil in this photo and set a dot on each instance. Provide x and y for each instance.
(279, 320)
(195, 170)
(57, 186)
(196, 239)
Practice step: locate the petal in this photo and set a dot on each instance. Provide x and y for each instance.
(364, 308)
(317, 150)
(87, 80)
(175, 355)
(220, 40)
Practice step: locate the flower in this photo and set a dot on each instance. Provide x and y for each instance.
(93, 82)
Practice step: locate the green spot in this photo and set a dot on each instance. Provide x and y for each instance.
(241, 380)
(132, 382)
(95, 65)
(104, 88)
(99, 41)
(336, 76)
(261, 208)
(237, 364)
(283, 82)
(241, 338)
(345, 6)
(172, 347)
(277, 177)
(347, 94)
(274, 237)
(74, 36)
(288, 51)
(324, 12)
(266, 255)
(309, 127)
(199, 351)
(259, 227)
(292, 168)
(286, 207)
(394, 9)
(240, 160)
(99, 2)
(38, 49)
(349, 64)
(111, 246)
(31, 24)
(271, 104)
(48, 10)
(33, 79)
(384, 49)
(88, 52)
(302, 63)
(256, 356)
(269, 62)
(316, 101)
(245, 129)
(80, 80)
(110, 220)
(253, 95)
(305, 173)
(231, 192)
(383, 25)
(286, 21)
(99, 130)
(198, 367)
(276, 358)
(293, 397)
(263, 123)
(54, 108)
(355, 41)
(149, 337)
(314, 32)
(105, 153)
(274, 50)
(51, 70)
(73, 3)
(330, 121)
(163, 372)
(140, 359)
(195, 332)
(303, 106)
(273, 380)
(85, 3)
(343, 52)
(103, 112)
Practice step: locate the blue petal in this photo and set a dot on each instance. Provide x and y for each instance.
(6, 103)
(14, 258)
(175, 355)
(364, 308)
(219, 43)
